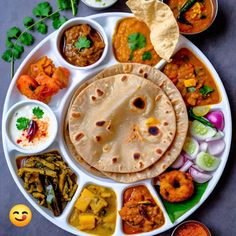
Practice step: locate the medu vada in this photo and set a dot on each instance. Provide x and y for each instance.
(176, 186)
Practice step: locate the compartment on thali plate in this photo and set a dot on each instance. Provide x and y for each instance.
(42, 80)
(193, 79)
(140, 212)
(95, 210)
(48, 180)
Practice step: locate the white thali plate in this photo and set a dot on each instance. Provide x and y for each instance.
(59, 105)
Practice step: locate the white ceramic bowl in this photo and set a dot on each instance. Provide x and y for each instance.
(35, 149)
(99, 5)
(78, 21)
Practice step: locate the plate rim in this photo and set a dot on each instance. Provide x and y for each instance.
(209, 189)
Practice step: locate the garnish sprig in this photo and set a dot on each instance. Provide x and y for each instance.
(14, 49)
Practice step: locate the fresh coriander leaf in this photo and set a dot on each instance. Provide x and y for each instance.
(43, 9)
(74, 6)
(17, 50)
(64, 4)
(42, 28)
(13, 33)
(136, 41)
(22, 123)
(7, 55)
(55, 15)
(26, 39)
(68, 4)
(204, 90)
(9, 43)
(191, 89)
(83, 42)
(38, 112)
(28, 22)
(147, 56)
(57, 23)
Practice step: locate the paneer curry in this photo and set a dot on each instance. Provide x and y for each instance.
(140, 213)
(192, 78)
(95, 210)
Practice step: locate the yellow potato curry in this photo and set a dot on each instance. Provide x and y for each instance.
(95, 210)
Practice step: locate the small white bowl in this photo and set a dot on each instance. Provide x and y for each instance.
(99, 5)
(78, 21)
(54, 129)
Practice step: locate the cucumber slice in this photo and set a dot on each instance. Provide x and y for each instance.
(207, 162)
(191, 147)
(201, 131)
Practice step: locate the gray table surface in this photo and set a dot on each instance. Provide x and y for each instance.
(218, 44)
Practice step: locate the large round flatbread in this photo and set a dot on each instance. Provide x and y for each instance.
(175, 97)
(108, 123)
(67, 140)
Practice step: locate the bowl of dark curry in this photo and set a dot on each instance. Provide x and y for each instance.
(82, 43)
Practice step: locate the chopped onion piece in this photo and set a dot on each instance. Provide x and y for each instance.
(203, 146)
(179, 162)
(187, 157)
(197, 168)
(186, 166)
(217, 136)
(216, 147)
(217, 119)
(198, 176)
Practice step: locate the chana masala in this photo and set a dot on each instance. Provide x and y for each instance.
(132, 43)
(140, 213)
(192, 78)
(192, 15)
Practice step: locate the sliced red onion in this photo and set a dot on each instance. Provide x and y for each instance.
(203, 146)
(217, 119)
(197, 168)
(219, 135)
(179, 162)
(186, 166)
(216, 147)
(187, 157)
(198, 176)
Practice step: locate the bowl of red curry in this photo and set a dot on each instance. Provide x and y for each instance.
(82, 43)
(193, 16)
(191, 227)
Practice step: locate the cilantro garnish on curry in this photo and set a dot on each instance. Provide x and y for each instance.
(192, 78)
(132, 43)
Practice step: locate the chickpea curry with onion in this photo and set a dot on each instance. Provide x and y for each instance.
(193, 16)
(192, 78)
(140, 213)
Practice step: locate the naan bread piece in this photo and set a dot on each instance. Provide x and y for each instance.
(123, 123)
(162, 23)
(176, 99)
